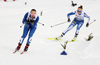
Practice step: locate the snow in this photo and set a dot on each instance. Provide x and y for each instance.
(41, 50)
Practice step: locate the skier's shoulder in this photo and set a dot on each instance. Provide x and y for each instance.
(85, 14)
(26, 14)
(37, 16)
(71, 13)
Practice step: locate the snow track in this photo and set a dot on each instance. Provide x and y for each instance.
(41, 50)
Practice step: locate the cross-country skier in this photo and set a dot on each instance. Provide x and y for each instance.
(30, 20)
(78, 20)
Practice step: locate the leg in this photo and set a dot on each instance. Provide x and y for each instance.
(71, 26)
(68, 29)
(79, 25)
(26, 29)
(25, 32)
(32, 30)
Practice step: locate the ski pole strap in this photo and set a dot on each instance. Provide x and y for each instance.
(58, 24)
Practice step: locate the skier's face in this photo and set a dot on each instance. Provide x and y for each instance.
(33, 13)
(79, 11)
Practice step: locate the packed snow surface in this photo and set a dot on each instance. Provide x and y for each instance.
(41, 50)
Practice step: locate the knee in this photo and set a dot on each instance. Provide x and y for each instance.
(69, 28)
(24, 36)
(31, 34)
(78, 28)
(29, 40)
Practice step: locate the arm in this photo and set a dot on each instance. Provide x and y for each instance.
(85, 15)
(36, 21)
(25, 17)
(72, 13)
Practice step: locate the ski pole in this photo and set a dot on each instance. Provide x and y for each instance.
(41, 23)
(21, 25)
(38, 22)
(92, 21)
(58, 24)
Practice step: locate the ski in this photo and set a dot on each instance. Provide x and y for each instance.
(54, 39)
(15, 51)
(22, 52)
(71, 41)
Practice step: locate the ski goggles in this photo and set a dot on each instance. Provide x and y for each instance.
(79, 11)
(33, 14)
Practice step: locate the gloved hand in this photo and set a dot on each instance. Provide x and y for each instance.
(68, 19)
(32, 21)
(87, 24)
(27, 21)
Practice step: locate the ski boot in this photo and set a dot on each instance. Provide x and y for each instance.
(74, 39)
(58, 38)
(26, 47)
(18, 47)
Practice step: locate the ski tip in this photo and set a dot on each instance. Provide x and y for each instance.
(22, 52)
(14, 52)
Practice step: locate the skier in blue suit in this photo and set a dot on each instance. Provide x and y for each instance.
(30, 20)
(78, 20)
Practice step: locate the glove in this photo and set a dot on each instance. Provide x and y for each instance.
(87, 24)
(32, 21)
(68, 19)
(27, 21)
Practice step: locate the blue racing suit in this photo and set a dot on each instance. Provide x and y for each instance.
(28, 27)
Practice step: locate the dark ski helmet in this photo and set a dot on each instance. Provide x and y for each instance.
(80, 7)
(33, 10)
